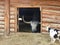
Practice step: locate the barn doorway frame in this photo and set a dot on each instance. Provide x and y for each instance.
(16, 27)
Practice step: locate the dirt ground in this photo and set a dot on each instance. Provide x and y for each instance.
(27, 39)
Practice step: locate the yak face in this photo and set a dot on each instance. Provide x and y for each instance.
(34, 25)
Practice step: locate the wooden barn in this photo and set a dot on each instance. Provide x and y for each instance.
(49, 13)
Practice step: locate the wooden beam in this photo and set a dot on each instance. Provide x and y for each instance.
(16, 27)
(7, 17)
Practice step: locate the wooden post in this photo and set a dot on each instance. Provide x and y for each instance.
(16, 27)
(7, 17)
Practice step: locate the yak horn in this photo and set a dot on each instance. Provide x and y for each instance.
(25, 21)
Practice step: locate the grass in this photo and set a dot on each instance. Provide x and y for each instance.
(27, 39)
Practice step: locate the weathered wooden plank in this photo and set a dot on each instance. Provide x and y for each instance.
(52, 24)
(45, 24)
(52, 17)
(2, 10)
(55, 27)
(14, 1)
(51, 20)
(2, 2)
(43, 31)
(1, 25)
(12, 9)
(2, 22)
(2, 13)
(12, 13)
(36, 2)
(49, 16)
(12, 16)
(50, 3)
(48, 19)
(12, 21)
(12, 25)
(2, 7)
(1, 29)
(2, 18)
(50, 13)
(56, 8)
(12, 29)
(45, 10)
(44, 28)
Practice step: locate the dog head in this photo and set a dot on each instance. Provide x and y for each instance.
(48, 28)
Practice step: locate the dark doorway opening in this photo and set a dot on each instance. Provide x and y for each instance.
(29, 15)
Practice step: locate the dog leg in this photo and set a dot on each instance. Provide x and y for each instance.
(59, 40)
(59, 37)
(52, 40)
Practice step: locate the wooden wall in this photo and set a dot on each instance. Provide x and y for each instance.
(2, 14)
(50, 10)
(12, 18)
(51, 16)
(2, 17)
(50, 13)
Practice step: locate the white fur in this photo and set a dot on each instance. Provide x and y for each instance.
(52, 33)
(34, 25)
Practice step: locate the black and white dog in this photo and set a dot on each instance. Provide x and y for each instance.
(54, 34)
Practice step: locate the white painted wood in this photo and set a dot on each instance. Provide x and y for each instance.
(19, 18)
